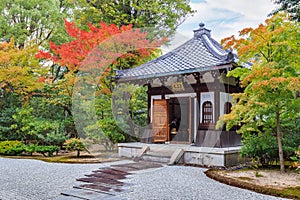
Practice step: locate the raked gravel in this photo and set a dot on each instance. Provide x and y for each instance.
(183, 183)
(22, 179)
(36, 180)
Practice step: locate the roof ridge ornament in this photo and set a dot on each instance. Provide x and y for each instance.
(230, 56)
(202, 30)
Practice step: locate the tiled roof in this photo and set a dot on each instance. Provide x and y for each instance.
(201, 53)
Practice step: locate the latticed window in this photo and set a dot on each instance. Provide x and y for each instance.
(207, 112)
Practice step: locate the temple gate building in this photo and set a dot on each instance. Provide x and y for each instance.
(188, 87)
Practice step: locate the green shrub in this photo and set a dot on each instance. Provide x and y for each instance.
(14, 148)
(46, 150)
(11, 148)
(261, 147)
(30, 148)
(75, 144)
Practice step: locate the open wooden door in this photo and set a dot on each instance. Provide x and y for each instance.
(160, 118)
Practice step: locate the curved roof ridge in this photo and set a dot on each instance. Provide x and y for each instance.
(215, 50)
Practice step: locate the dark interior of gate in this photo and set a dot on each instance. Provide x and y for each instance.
(179, 114)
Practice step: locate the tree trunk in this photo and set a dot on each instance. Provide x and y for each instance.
(281, 159)
(78, 153)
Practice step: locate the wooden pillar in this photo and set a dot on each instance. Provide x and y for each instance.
(149, 102)
(217, 105)
(198, 93)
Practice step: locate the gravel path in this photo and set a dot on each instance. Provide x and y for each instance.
(183, 183)
(37, 180)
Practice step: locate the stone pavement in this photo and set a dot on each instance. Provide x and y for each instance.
(106, 182)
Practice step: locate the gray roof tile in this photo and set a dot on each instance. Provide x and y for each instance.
(201, 53)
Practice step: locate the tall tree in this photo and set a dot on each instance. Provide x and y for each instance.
(92, 56)
(106, 46)
(20, 70)
(163, 15)
(268, 103)
(20, 77)
(290, 6)
(36, 20)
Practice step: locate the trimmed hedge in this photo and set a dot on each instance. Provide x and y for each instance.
(11, 148)
(14, 148)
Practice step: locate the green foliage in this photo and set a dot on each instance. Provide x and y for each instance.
(36, 20)
(17, 148)
(117, 121)
(30, 148)
(36, 101)
(290, 6)
(11, 148)
(163, 15)
(269, 106)
(29, 127)
(75, 144)
(111, 130)
(106, 132)
(138, 106)
(40, 121)
(297, 156)
(9, 104)
(46, 150)
(55, 138)
(262, 147)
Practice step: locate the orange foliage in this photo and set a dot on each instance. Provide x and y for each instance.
(19, 68)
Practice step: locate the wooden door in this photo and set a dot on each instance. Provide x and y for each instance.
(160, 127)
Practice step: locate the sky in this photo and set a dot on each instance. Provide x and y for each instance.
(225, 17)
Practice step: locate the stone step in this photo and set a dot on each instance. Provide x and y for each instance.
(156, 158)
(159, 153)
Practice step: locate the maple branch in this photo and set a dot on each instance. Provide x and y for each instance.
(263, 54)
(46, 38)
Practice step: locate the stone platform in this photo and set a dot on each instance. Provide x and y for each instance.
(178, 153)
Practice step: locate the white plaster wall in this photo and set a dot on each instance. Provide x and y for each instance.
(207, 96)
(224, 97)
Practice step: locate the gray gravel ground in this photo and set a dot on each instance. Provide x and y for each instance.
(37, 180)
(183, 183)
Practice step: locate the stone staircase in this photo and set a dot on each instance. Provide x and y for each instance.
(157, 156)
(161, 155)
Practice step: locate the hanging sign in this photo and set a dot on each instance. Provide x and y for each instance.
(177, 86)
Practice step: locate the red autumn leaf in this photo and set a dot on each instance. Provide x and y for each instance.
(112, 42)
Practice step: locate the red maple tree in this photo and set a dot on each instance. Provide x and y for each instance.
(102, 46)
